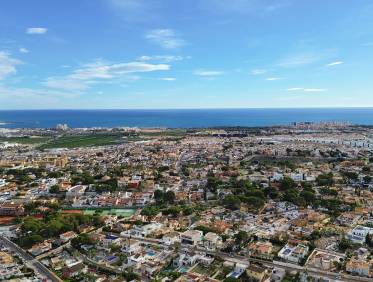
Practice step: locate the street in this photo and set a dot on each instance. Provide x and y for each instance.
(34, 263)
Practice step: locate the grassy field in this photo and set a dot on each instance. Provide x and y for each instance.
(118, 212)
(165, 133)
(82, 141)
(89, 140)
(24, 140)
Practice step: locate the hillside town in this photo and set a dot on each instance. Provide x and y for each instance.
(287, 203)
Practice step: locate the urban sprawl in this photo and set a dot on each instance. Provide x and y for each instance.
(282, 203)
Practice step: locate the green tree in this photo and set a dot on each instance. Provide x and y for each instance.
(29, 240)
(367, 179)
(213, 183)
(150, 211)
(241, 237)
(325, 179)
(350, 175)
(80, 240)
(232, 202)
(158, 195)
(130, 276)
(253, 202)
(369, 240)
(55, 189)
(287, 183)
(187, 210)
(174, 211)
(291, 195)
(308, 196)
(169, 197)
(344, 244)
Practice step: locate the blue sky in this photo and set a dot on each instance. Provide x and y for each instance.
(185, 53)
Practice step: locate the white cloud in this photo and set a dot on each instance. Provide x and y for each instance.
(273, 78)
(295, 89)
(258, 71)
(162, 58)
(308, 57)
(334, 64)
(35, 95)
(307, 89)
(168, 78)
(81, 79)
(23, 50)
(100, 70)
(66, 83)
(208, 73)
(36, 30)
(166, 38)
(297, 60)
(315, 90)
(137, 67)
(7, 65)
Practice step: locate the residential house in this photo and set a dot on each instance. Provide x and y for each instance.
(2, 182)
(74, 269)
(75, 191)
(294, 251)
(260, 249)
(11, 209)
(359, 267)
(359, 233)
(238, 270)
(40, 248)
(325, 260)
(67, 236)
(171, 238)
(144, 230)
(212, 241)
(256, 272)
(348, 219)
(131, 247)
(191, 237)
(185, 260)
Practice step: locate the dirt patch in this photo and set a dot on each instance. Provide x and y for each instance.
(4, 220)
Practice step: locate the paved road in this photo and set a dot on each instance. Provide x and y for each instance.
(30, 260)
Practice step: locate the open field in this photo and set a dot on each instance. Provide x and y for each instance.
(102, 212)
(24, 140)
(165, 133)
(82, 141)
(118, 212)
(89, 140)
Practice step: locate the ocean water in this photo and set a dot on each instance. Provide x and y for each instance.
(185, 118)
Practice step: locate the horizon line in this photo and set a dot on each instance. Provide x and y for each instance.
(202, 108)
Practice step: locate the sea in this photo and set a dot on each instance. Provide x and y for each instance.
(181, 118)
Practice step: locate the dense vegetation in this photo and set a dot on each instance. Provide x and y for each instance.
(35, 230)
